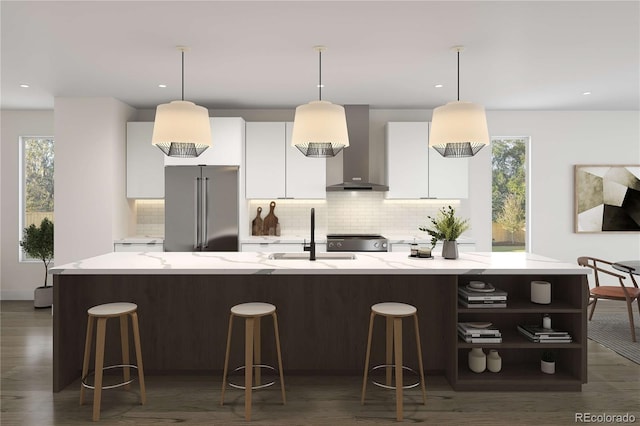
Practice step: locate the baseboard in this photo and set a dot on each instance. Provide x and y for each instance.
(16, 294)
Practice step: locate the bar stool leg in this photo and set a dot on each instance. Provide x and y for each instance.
(226, 360)
(124, 345)
(422, 383)
(256, 351)
(87, 355)
(97, 392)
(136, 341)
(277, 333)
(397, 339)
(367, 356)
(389, 347)
(248, 370)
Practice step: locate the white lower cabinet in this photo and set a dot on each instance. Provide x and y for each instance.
(279, 247)
(137, 247)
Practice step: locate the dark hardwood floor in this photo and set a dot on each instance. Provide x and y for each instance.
(27, 397)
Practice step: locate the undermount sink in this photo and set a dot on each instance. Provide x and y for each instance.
(305, 256)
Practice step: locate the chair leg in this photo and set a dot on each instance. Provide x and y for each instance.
(136, 343)
(422, 383)
(633, 328)
(279, 353)
(226, 360)
(124, 346)
(389, 349)
(87, 356)
(366, 359)
(248, 366)
(397, 341)
(257, 358)
(97, 392)
(593, 308)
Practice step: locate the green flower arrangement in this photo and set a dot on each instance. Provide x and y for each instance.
(445, 226)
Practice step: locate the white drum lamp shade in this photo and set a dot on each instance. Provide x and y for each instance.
(320, 129)
(181, 129)
(459, 129)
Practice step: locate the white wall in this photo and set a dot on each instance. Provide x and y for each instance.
(90, 190)
(17, 279)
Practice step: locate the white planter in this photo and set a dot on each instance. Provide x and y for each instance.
(43, 297)
(477, 360)
(494, 362)
(548, 367)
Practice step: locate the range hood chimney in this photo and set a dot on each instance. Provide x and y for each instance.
(355, 158)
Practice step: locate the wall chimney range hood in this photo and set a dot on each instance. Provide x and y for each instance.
(355, 158)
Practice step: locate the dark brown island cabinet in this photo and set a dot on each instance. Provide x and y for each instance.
(323, 312)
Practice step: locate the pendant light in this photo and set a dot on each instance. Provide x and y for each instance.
(320, 127)
(181, 128)
(458, 129)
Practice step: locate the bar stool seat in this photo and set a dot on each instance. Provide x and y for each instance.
(394, 312)
(252, 312)
(101, 313)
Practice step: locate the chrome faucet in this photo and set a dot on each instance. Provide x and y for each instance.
(311, 248)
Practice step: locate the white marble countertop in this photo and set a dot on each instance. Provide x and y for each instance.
(246, 263)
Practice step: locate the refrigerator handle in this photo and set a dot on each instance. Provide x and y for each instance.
(196, 240)
(205, 217)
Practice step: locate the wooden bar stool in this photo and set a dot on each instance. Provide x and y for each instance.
(252, 313)
(394, 313)
(102, 313)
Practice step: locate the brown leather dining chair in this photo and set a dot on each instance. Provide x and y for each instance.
(613, 292)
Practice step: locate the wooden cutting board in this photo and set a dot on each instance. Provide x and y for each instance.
(271, 221)
(257, 223)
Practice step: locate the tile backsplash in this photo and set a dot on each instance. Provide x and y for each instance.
(150, 218)
(352, 212)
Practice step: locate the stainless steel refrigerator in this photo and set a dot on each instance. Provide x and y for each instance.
(201, 208)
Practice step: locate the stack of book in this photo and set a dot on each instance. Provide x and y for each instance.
(536, 333)
(472, 332)
(488, 297)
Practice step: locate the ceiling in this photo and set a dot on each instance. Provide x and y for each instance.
(389, 54)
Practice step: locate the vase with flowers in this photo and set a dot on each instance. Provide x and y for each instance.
(447, 227)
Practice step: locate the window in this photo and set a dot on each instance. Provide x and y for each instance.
(36, 183)
(509, 193)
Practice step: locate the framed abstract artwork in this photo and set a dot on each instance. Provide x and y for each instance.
(607, 198)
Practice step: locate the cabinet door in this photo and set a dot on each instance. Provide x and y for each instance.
(145, 163)
(305, 177)
(227, 136)
(448, 177)
(408, 160)
(265, 160)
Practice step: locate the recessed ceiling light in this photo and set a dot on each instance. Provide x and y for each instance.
(162, 85)
(438, 86)
(586, 93)
(24, 85)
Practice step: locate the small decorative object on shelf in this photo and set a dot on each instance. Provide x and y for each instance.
(477, 294)
(477, 360)
(548, 362)
(541, 292)
(271, 221)
(494, 362)
(546, 322)
(446, 227)
(256, 224)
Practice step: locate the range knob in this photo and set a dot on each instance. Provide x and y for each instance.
(376, 244)
(339, 245)
(330, 244)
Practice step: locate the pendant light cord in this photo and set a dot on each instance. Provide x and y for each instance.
(458, 75)
(183, 75)
(320, 75)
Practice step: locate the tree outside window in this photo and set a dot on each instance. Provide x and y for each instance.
(37, 165)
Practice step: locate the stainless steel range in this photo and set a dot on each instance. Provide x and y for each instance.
(356, 242)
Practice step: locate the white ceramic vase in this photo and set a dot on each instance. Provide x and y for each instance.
(541, 292)
(494, 362)
(548, 367)
(477, 360)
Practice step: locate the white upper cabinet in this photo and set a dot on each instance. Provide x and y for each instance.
(227, 136)
(145, 163)
(275, 169)
(416, 171)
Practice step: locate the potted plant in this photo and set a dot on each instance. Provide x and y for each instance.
(37, 242)
(548, 362)
(446, 227)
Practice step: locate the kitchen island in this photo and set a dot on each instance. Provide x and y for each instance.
(323, 307)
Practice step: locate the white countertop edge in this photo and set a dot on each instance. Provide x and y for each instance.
(250, 263)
